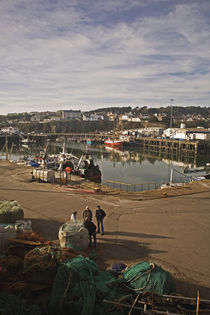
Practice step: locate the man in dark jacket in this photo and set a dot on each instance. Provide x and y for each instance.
(91, 227)
(100, 215)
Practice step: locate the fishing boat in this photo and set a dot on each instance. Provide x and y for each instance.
(83, 166)
(89, 141)
(113, 143)
(87, 168)
(128, 141)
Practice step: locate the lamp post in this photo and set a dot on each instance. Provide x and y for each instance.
(171, 135)
(171, 119)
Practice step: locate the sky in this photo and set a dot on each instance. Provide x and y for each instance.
(89, 54)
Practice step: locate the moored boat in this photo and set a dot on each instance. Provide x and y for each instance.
(113, 143)
(89, 141)
(128, 141)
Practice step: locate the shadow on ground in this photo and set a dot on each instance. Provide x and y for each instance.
(187, 288)
(48, 228)
(112, 250)
(140, 235)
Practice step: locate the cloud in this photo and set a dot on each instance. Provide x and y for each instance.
(88, 54)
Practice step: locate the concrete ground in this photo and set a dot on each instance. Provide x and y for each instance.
(170, 228)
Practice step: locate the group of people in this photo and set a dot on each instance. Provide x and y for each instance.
(89, 225)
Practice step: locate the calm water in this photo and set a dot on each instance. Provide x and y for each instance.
(130, 166)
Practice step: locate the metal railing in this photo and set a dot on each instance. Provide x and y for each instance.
(129, 187)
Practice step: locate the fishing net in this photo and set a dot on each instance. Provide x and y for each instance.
(10, 211)
(80, 288)
(148, 277)
(13, 305)
(40, 264)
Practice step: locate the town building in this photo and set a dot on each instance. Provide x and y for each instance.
(92, 117)
(187, 133)
(10, 130)
(70, 114)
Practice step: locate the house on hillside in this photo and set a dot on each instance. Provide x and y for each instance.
(92, 117)
(111, 116)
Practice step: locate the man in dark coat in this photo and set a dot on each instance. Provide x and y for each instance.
(91, 227)
(100, 215)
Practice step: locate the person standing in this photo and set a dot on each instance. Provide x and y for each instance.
(87, 214)
(100, 215)
(74, 217)
(91, 227)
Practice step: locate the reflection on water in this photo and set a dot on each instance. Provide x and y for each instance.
(129, 166)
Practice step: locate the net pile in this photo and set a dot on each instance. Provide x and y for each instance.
(80, 288)
(10, 211)
(148, 277)
(40, 264)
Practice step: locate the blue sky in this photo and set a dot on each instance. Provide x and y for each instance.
(86, 54)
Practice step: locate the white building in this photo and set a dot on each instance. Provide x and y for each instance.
(198, 134)
(134, 119)
(150, 131)
(92, 117)
(145, 132)
(10, 130)
(187, 133)
(71, 114)
(175, 133)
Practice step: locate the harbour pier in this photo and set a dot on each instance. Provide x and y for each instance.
(173, 147)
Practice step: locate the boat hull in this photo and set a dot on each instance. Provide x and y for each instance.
(114, 143)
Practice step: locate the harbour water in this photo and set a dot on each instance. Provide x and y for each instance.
(131, 168)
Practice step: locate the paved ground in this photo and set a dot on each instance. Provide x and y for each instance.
(170, 228)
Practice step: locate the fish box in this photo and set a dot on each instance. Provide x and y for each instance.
(47, 176)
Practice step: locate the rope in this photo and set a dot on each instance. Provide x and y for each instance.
(134, 303)
(129, 296)
(69, 284)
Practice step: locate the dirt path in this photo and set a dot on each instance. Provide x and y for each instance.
(170, 228)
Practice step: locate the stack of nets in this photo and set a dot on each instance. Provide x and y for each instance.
(40, 264)
(80, 288)
(148, 277)
(10, 211)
